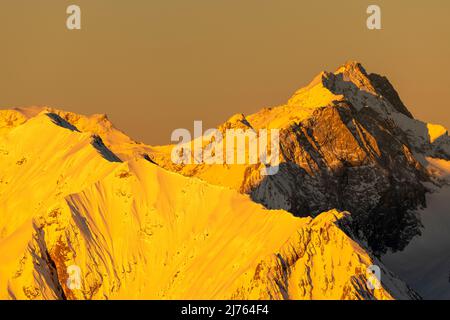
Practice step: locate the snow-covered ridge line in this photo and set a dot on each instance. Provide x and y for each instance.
(139, 231)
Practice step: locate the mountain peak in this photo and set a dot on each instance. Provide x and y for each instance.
(353, 71)
(327, 87)
(352, 67)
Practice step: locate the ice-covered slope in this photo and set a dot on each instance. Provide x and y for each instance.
(136, 230)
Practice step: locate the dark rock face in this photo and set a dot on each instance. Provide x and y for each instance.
(384, 87)
(348, 142)
(350, 160)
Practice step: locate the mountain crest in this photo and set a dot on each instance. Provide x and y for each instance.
(354, 72)
(352, 67)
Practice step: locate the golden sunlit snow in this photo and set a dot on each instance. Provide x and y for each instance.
(138, 231)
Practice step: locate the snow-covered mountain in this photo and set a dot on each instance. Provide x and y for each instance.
(359, 178)
(347, 142)
(136, 230)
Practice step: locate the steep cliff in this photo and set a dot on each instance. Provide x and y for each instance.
(348, 142)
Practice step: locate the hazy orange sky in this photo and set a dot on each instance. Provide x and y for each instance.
(157, 65)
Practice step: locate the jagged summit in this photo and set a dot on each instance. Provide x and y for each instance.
(353, 84)
(347, 141)
(376, 84)
(352, 67)
(354, 72)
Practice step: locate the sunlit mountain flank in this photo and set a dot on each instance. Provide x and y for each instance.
(361, 183)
